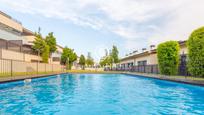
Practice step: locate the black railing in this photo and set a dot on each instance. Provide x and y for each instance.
(142, 69)
(153, 69)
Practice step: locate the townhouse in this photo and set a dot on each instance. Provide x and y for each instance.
(16, 42)
(148, 59)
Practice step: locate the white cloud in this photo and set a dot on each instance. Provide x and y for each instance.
(139, 22)
(187, 17)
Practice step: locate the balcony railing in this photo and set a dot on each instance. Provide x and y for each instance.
(8, 45)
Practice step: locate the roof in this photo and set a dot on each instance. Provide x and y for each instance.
(60, 46)
(28, 32)
(6, 15)
(136, 55)
(181, 43)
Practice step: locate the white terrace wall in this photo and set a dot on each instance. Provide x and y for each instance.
(8, 54)
(13, 55)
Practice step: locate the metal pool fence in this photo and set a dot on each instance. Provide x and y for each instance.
(142, 69)
(20, 68)
(154, 69)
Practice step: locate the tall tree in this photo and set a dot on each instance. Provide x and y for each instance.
(114, 54)
(110, 58)
(89, 60)
(68, 57)
(45, 53)
(41, 47)
(38, 44)
(107, 60)
(82, 61)
(51, 42)
(106, 52)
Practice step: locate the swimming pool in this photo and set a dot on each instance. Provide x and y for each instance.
(100, 94)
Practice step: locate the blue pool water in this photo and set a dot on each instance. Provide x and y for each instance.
(100, 94)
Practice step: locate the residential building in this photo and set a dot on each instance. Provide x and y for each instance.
(149, 58)
(16, 42)
(76, 65)
(56, 56)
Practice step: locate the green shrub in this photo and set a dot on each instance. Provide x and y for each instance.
(196, 53)
(168, 57)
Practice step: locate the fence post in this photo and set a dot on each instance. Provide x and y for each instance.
(26, 68)
(37, 67)
(52, 68)
(144, 68)
(45, 68)
(11, 67)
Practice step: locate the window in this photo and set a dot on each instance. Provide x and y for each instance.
(142, 63)
(55, 59)
(130, 64)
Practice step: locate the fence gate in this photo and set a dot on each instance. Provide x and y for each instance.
(183, 65)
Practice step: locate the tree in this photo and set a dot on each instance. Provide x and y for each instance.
(40, 46)
(195, 45)
(89, 60)
(45, 53)
(51, 42)
(82, 61)
(106, 52)
(103, 61)
(102, 64)
(114, 54)
(168, 57)
(68, 57)
(107, 60)
(110, 58)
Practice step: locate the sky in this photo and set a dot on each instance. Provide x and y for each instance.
(96, 25)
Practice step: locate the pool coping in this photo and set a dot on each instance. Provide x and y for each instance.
(167, 78)
(153, 76)
(20, 78)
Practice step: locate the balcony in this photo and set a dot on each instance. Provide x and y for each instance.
(13, 55)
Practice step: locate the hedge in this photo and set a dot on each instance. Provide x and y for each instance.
(168, 57)
(195, 45)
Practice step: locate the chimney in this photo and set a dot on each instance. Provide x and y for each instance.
(143, 50)
(134, 52)
(152, 47)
